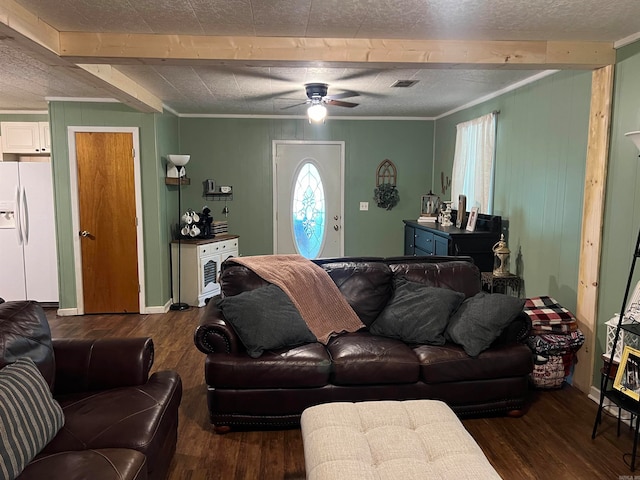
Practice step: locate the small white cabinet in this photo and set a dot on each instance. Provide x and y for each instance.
(25, 137)
(200, 266)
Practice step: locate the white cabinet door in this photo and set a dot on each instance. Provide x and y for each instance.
(25, 137)
(45, 137)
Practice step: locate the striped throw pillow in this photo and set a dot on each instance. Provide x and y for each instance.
(29, 416)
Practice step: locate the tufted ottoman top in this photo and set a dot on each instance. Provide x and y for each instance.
(385, 440)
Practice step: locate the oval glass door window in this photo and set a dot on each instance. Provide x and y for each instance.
(308, 211)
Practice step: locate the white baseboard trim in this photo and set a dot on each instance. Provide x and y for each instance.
(157, 309)
(70, 312)
(608, 406)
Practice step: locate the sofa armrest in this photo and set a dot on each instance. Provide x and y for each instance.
(99, 364)
(214, 335)
(517, 331)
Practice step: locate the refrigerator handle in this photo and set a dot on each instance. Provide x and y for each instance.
(18, 215)
(25, 217)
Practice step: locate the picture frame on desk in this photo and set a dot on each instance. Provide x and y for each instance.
(473, 218)
(627, 379)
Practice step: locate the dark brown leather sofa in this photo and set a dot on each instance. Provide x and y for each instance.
(274, 389)
(119, 421)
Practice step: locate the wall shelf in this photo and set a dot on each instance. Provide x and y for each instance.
(176, 181)
(219, 196)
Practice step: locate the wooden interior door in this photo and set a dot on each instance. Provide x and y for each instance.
(107, 219)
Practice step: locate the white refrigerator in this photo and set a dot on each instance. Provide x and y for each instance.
(27, 232)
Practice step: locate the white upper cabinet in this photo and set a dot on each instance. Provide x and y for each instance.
(25, 137)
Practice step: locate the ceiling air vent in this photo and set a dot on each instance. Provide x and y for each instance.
(404, 83)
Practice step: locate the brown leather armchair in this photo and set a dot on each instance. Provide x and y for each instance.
(120, 422)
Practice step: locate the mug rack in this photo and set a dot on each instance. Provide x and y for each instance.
(217, 195)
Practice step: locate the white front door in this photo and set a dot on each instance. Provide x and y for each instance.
(308, 201)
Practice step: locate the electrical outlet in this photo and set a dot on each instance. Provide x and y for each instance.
(364, 205)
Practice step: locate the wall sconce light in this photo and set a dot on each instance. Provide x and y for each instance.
(176, 167)
(317, 113)
(634, 137)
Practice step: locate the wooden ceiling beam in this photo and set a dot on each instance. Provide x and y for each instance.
(21, 21)
(28, 31)
(177, 49)
(125, 89)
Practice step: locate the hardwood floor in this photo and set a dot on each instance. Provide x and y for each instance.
(552, 441)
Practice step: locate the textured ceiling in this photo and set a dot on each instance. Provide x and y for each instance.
(239, 89)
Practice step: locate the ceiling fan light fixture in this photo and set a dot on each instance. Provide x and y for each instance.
(317, 113)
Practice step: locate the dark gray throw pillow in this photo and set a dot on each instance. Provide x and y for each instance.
(265, 319)
(417, 313)
(481, 319)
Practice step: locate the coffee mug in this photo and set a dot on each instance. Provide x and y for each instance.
(186, 218)
(195, 231)
(185, 231)
(195, 217)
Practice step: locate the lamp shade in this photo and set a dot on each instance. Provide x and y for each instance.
(317, 112)
(634, 137)
(178, 160)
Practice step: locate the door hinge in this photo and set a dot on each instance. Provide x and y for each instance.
(133, 153)
(138, 288)
(136, 221)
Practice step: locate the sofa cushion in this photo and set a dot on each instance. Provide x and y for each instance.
(24, 332)
(101, 464)
(364, 359)
(304, 366)
(29, 416)
(481, 319)
(417, 313)
(366, 285)
(450, 363)
(142, 418)
(461, 276)
(265, 319)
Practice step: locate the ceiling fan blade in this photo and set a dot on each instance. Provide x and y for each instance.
(269, 96)
(296, 105)
(342, 95)
(339, 103)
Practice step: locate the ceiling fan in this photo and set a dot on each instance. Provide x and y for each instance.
(317, 98)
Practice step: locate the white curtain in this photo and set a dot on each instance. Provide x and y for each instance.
(473, 162)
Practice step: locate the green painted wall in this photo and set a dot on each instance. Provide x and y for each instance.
(539, 179)
(238, 152)
(158, 134)
(622, 205)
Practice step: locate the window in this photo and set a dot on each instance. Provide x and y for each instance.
(308, 211)
(473, 162)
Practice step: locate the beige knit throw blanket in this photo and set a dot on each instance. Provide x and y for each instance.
(317, 298)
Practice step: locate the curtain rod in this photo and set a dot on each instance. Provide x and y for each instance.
(496, 112)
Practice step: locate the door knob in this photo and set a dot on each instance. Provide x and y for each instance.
(84, 233)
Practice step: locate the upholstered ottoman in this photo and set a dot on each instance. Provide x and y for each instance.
(413, 439)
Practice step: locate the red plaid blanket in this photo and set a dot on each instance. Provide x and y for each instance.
(548, 316)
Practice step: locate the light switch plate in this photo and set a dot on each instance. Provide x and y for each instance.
(364, 205)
